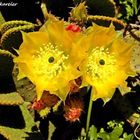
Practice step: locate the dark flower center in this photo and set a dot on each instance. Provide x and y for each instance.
(102, 62)
(51, 59)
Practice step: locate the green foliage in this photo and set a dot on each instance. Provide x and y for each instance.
(11, 38)
(92, 134)
(1, 19)
(10, 33)
(12, 24)
(131, 37)
(100, 7)
(127, 137)
(138, 121)
(24, 87)
(129, 8)
(101, 12)
(51, 130)
(11, 99)
(20, 134)
(116, 133)
(44, 112)
(79, 13)
(13, 102)
(106, 21)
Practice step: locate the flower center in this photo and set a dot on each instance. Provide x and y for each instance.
(49, 61)
(100, 64)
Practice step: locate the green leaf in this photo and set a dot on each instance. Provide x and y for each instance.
(92, 134)
(116, 133)
(104, 136)
(128, 137)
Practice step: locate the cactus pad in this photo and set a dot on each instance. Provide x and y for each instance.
(10, 99)
(21, 134)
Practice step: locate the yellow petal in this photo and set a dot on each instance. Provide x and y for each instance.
(52, 41)
(105, 45)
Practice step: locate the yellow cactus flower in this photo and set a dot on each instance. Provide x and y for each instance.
(107, 62)
(46, 58)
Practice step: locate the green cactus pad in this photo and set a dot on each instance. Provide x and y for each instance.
(21, 134)
(1, 19)
(11, 99)
(135, 61)
(106, 21)
(24, 87)
(11, 24)
(100, 7)
(12, 38)
(10, 33)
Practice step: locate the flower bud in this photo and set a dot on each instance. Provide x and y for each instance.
(73, 109)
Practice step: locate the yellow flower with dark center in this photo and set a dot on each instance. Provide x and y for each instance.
(46, 58)
(107, 62)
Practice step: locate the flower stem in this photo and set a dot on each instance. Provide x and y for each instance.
(89, 111)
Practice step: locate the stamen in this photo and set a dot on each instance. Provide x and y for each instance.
(55, 64)
(100, 64)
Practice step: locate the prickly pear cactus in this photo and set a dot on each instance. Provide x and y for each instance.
(123, 103)
(80, 14)
(136, 52)
(12, 133)
(24, 87)
(11, 99)
(11, 24)
(16, 122)
(100, 7)
(1, 19)
(11, 33)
